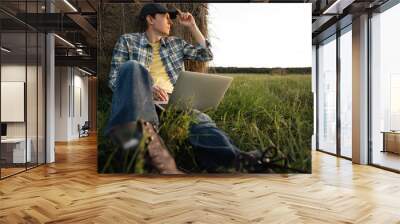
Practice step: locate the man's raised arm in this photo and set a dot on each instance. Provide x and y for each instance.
(200, 51)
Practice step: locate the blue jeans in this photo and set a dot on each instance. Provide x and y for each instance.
(133, 100)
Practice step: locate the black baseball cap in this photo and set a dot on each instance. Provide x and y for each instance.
(153, 8)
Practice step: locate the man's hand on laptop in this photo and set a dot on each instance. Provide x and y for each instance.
(159, 94)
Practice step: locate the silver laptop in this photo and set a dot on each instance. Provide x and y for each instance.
(199, 91)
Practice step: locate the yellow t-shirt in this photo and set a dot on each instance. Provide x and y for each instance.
(157, 70)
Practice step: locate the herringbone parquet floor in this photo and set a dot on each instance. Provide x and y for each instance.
(71, 191)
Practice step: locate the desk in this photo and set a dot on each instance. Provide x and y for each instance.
(15, 148)
(391, 141)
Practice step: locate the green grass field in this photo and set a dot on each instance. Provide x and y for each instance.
(258, 111)
(263, 110)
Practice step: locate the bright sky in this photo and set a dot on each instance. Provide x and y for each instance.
(260, 34)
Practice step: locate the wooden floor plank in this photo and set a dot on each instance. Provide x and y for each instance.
(71, 191)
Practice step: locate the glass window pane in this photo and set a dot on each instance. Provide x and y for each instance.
(327, 96)
(14, 153)
(31, 97)
(41, 98)
(31, 85)
(346, 94)
(386, 88)
(23, 89)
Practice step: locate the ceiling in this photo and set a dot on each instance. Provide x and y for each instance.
(331, 15)
(76, 22)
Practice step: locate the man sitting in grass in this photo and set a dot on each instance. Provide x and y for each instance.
(144, 68)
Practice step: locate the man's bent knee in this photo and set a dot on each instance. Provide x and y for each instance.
(131, 65)
(135, 71)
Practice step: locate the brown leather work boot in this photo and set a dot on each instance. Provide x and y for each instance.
(159, 155)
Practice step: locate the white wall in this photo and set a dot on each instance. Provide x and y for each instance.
(10, 73)
(33, 127)
(61, 103)
(80, 100)
(71, 93)
(16, 73)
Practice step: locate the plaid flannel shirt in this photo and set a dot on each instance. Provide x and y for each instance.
(173, 52)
